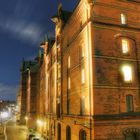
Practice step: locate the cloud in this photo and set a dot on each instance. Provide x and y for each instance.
(23, 30)
(8, 92)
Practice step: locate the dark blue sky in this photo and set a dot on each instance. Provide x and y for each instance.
(23, 24)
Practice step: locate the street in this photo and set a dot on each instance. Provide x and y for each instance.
(12, 131)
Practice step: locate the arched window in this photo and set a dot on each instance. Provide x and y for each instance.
(132, 136)
(59, 131)
(68, 133)
(82, 135)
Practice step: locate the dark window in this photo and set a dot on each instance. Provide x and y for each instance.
(59, 132)
(132, 136)
(68, 133)
(82, 106)
(82, 135)
(129, 103)
(68, 106)
(58, 110)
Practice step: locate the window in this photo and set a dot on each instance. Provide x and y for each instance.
(127, 73)
(68, 106)
(125, 46)
(69, 83)
(58, 110)
(68, 133)
(123, 19)
(82, 106)
(82, 135)
(83, 76)
(59, 131)
(132, 136)
(68, 62)
(129, 103)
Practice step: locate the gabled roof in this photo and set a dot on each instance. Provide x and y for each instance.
(32, 65)
(63, 15)
(51, 43)
(34, 68)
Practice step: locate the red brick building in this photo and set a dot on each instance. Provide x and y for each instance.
(88, 87)
(24, 85)
(100, 71)
(29, 90)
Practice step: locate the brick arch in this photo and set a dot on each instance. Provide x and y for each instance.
(82, 135)
(132, 43)
(124, 36)
(68, 132)
(119, 36)
(131, 130)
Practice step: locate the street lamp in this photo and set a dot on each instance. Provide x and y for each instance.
(26, 119)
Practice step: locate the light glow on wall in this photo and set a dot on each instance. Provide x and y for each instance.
(127, 73)
(40, 123)
(26, 118)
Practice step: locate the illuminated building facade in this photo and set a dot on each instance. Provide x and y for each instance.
(100, 71)
(47, 89)
(88, 87)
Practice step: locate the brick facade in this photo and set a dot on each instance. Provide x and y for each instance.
(82, 92)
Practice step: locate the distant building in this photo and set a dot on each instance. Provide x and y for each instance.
(29, 91)
(24, 84)
(18, 102)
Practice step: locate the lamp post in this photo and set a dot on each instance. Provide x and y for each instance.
(26, 120)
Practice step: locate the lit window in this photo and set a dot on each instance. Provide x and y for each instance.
(69, 62)
(83, 51)
(129, 103)
(127, 73)
(125, 46)
(83, 76)
(69, 82)
(123, 19)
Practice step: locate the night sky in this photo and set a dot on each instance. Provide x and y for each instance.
(23, 24)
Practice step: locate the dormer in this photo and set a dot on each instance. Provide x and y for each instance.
(60, 20)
